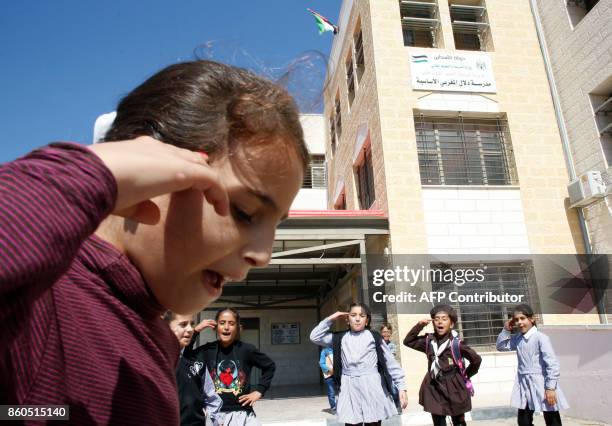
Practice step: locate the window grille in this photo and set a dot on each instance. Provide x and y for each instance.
(420, 23)
(359, 56)
(316, 176)
(464, 151)
(470, 26)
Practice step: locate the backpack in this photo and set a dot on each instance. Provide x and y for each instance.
(457, 358)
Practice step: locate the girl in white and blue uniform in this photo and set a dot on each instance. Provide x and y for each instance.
(537, 381)
(364, 368)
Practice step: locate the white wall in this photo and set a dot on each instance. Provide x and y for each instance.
(495, 379)
(474, 221)
(457, 102)
(314, 135)
(310, 199)
(586, 374)
(314, 132)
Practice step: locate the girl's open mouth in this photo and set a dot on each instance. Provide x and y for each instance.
(213, 282)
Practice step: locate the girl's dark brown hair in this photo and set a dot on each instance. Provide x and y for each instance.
(236, 315)
(525, 310)
(365, 309)
(211, 107)
(387, 326)
(168, 316)
(447, 309)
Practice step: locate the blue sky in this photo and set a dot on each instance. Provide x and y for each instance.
(64, 62)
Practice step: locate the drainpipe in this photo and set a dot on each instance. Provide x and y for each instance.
(569, 163)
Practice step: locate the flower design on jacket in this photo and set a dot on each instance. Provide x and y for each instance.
(229, 377)
(195, 368)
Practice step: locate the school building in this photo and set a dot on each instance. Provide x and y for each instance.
(440, 143)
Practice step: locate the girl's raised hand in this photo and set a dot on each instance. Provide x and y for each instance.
(337, 315)
(509, 325)
(145, 168)
(207, 323)
(425, 321)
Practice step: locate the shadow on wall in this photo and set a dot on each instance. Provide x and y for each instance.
(584, 353)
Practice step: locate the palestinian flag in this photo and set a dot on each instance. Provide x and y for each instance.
(323, 23)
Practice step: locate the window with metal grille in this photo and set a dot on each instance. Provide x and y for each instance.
(480, 323)
(471, 29)
(420, 23)
(316, 176)
(458, 151)
(359, 57)
(332, 133)
(365, 181)
(350, 80)
(578, 9)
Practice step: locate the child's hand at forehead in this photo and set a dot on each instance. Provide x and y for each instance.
(207, 323)
(145, 168)
(425, 321)
(337, 315)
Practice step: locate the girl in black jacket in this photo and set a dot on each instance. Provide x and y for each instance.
(230, 362)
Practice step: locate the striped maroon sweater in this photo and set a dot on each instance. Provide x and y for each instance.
(78, 323)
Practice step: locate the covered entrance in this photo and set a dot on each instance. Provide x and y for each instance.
(317, 266)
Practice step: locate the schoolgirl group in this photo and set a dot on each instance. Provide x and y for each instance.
(368, 375)
(98, 243)
(213, 379)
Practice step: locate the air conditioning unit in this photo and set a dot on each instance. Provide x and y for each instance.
(586, 189)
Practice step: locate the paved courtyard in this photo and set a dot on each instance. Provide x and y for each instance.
(308, 407)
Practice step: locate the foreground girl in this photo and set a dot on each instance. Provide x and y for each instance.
(537, 377)
(107, 238)
(364, 368)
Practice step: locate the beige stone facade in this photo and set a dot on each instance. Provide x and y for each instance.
(580, 48)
